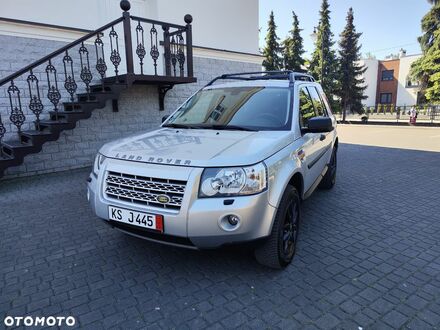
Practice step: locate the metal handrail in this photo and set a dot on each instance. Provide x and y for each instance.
(152, 21)
(176, 33)
(58, 52)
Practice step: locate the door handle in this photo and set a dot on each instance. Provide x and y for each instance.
(322, 137)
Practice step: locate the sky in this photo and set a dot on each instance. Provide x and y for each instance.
(387, 25)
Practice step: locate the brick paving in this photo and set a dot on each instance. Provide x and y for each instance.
(368, 257)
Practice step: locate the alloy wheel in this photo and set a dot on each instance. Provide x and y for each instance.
(290, 230)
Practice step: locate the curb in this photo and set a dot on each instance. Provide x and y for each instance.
(388, 123)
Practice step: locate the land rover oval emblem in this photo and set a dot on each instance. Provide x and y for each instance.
(164, 199)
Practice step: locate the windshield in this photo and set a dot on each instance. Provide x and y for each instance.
(253, 108)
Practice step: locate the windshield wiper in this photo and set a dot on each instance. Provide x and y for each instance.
(212, 126)
(179, 126)
(228, 127)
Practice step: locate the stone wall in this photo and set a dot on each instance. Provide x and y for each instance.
(138, 111)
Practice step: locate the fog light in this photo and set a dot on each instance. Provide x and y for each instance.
(229, 222)
(233, 220)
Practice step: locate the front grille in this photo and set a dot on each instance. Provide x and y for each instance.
(144, 190)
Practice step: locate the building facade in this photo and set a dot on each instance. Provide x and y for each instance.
(30, 30)
(388, 81)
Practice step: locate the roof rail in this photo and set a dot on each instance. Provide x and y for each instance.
(265, 75)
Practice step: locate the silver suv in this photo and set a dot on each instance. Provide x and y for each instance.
(231, 165)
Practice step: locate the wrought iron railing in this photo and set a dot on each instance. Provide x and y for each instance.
(159, 49)
(177, 46)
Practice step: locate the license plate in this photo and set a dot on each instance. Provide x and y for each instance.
(140, 219)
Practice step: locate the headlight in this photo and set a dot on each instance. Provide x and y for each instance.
(233, 181)
(99, 159)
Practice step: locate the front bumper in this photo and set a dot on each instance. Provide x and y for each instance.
(198, 222)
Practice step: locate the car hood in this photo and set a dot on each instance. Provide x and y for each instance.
(198, 147)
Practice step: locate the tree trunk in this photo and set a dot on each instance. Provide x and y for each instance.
(344, 111)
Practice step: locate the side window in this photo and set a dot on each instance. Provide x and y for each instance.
(326, 104)
(317, 102)
(306, 108)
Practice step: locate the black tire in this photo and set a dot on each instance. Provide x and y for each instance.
(280, 247)
(329, 179)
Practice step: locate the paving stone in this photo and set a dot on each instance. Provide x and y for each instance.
(430, 317)
(336, 297)
(327, 321)
(350, 307)
(90, 317)
(395, 319)
(418, 324)
(365, 258)
(416, 302)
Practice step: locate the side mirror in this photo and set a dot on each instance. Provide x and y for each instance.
(164, 118)
(319, 125)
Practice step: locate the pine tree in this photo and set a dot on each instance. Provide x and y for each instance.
(324, 63)
(427, 68)
(272, 59)
(351, 81)
(293, 48)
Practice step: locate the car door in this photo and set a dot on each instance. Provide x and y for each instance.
(310, 141)
(323, 141)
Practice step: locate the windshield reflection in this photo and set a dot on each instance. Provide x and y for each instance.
(240, 108)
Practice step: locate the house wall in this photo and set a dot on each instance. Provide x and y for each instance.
(391, 85)
(370, 77)
(214, 21)
(138, 108)
(403, 95)
(406, 95)
(228, 42)
(17, 53)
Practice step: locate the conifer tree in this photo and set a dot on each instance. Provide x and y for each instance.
(351, 81)
(324, 63)
(427, 69)
(272, 60)
(293, 48)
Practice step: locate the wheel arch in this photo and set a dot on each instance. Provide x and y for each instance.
(297, 181)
